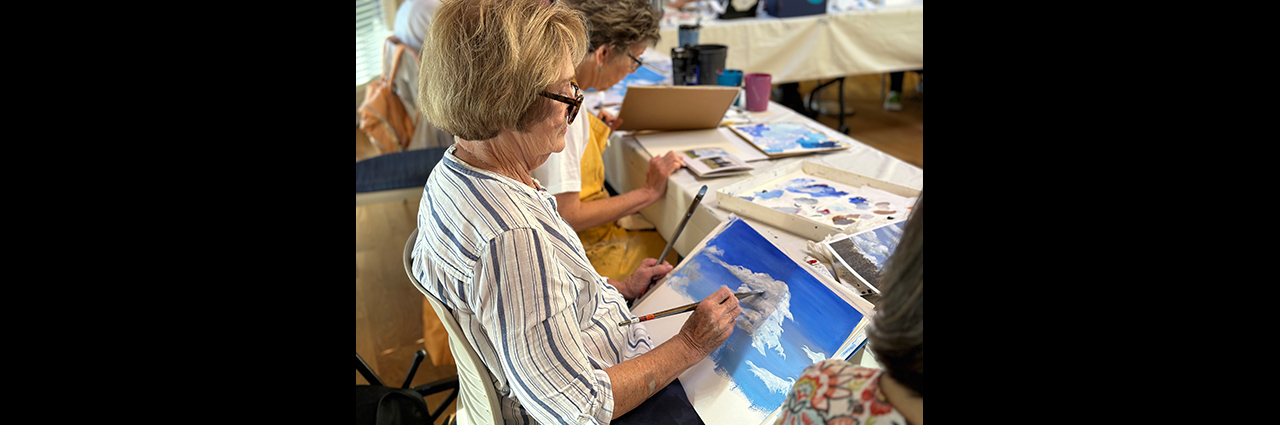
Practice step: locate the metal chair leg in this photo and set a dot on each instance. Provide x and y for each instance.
(365, 371)
(809, 102)
(417, 360)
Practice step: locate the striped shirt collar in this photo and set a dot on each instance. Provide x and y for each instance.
(460, 165)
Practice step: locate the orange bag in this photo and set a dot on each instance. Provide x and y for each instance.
(382, 116)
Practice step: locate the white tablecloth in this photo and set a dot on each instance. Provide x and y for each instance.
(804, 48)
(626, 162)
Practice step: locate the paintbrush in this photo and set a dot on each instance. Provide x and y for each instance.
(678, 310)
(692, 207)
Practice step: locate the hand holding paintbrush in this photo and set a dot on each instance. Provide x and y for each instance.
(712, 323)
(682, 309)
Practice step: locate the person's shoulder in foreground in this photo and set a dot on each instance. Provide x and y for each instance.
(838, 392)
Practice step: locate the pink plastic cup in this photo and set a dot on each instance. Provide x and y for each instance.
(758, 87)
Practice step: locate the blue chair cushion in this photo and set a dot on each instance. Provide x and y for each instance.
(397, 170)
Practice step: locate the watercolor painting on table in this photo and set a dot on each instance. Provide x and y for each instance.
(787, 138)
(797, 322)
(642, 77)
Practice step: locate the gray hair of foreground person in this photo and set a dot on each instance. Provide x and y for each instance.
(490, 59)
(897, 332)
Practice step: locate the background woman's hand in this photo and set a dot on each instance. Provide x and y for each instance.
(609, 120)
(712, 322)
(660, 168)
(639, 279)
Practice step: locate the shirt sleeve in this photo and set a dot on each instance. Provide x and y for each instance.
(528, 308)
(413, 21)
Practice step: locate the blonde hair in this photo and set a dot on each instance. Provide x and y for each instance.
(485, 61)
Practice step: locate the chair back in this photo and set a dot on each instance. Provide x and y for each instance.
(479, 401)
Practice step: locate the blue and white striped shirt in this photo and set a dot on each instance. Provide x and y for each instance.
(519, 283)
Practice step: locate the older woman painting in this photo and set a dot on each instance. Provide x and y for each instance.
(620, 31)
(493, 248)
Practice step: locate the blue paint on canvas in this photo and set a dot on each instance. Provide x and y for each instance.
(766, 354)
(783, 137)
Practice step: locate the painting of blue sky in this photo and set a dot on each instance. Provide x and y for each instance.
(797, 322)
(786, 137)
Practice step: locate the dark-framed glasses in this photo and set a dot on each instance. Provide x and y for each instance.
(574, 102)
(638, 61)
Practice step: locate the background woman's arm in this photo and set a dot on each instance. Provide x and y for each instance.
(585, 215)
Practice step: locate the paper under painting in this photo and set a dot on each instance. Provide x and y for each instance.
(787, 138)
(797, 322)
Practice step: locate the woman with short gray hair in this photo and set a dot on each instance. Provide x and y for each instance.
(491, 245)
(836, 391)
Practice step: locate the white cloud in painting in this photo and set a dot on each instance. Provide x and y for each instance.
(762, 315)
(814, 356)
(680, 281)
(775, 384)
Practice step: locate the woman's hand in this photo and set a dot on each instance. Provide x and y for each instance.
(660, 168)
(636, 284)
(609, 120)
(712, 322)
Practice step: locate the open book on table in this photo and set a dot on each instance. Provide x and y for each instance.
(713, 162)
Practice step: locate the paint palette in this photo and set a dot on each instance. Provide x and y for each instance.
(813, 200)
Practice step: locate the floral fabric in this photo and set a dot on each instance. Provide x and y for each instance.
(838, 392)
